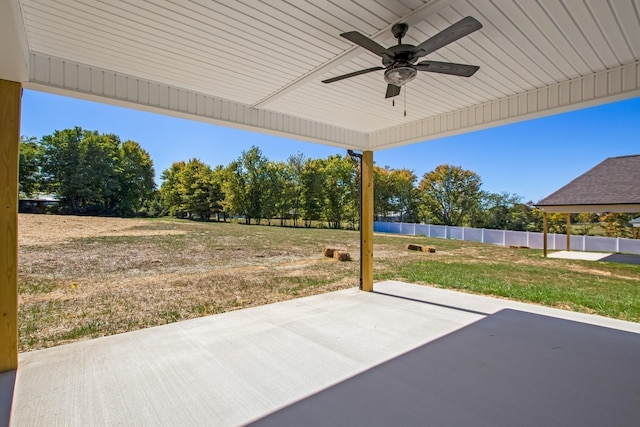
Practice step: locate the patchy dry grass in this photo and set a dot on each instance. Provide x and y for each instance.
(85, 277)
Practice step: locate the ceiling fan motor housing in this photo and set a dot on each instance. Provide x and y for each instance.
(401, 54)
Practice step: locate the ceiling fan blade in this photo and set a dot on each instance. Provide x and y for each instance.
(458, 30)
(392, 90)
(365, 42)
(463, 70)
(355, 73)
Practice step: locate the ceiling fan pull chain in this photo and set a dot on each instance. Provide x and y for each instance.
(405, 101)
(393, 102)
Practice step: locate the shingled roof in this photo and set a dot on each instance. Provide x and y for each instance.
(611, 186)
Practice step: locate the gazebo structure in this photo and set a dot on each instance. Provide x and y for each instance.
(610, 186)
(262, 66)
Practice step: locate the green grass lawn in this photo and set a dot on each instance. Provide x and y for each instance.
(564, 285)
(84, 277)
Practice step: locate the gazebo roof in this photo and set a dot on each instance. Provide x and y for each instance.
(611, 186)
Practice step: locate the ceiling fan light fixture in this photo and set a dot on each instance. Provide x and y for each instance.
(400, 75)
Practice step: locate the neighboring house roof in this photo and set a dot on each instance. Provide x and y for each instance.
(611, 186)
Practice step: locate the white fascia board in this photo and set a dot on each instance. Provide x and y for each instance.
(68, 78)
(621, 208)
(607, 86)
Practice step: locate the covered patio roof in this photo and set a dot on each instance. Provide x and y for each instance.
(259, 65)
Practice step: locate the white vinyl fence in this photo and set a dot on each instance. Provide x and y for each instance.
(513, 238)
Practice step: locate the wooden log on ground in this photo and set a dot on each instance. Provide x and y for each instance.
(421, 248)
(328, 252)
(341, 255)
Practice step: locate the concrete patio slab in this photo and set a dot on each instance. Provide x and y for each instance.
(580, 255)
(597, 256)
(232, 368)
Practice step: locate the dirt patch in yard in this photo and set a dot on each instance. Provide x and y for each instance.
(84, 277)
(50, 229)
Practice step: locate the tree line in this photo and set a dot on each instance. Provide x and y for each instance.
(95, 173)
(303, 191)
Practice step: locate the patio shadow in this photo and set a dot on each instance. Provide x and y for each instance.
(510, 368)
(623, 259)
(7, 385)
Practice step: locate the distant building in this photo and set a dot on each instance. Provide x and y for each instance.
(39, 204)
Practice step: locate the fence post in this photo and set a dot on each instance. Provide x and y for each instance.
(445, 232)
(462, 233)
(617, 244)
(504, 238)
(584, 243)
(414, 228)
(528, 245)
(482, 236)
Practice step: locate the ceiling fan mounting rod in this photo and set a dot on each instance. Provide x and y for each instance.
(399, 30)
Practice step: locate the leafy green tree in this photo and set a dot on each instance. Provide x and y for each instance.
(29, 166)
(617, 224)
(405, 194)
(313, 190)
(293, 190)
(245, 185)
(192, 190)
(195, 186)
(170, 190)
(136, 179)
(504, 211)
(449, 194)
(384, 193)
(525, 217)
(234, 189)
(341, 191)
(278, 200)
(587, 222)
(557, 222)
(100, 163)
(61, 166)
(216, 193)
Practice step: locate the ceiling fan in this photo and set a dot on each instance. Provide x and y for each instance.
(399, 61)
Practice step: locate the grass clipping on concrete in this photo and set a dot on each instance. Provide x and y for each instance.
(85, 277)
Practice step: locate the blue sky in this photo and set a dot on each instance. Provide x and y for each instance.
(532, 158)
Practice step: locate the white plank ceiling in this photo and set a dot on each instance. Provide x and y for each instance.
(259, 64)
